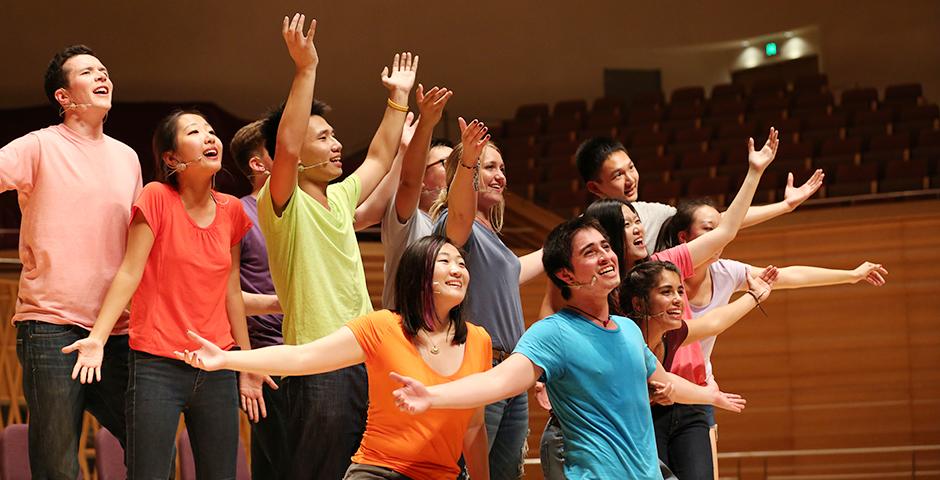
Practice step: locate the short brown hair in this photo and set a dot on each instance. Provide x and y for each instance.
(247, 142)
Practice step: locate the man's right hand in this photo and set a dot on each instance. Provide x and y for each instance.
(300, 46)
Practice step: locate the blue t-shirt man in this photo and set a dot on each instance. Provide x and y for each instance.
(597, 382)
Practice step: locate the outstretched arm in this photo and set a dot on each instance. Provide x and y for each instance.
(370, 212)
(462, 192)
(706, 246)
(385, 142)
(792, 198)
(332, 352)
(531, 266)
(431, 106)
(798, 276)
(508, 379)
(684, 391)
(293, 126)
(91, 349)
(722, 318)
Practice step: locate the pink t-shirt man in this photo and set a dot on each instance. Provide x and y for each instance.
(76, 196)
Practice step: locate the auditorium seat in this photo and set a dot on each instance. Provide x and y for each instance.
(868, 123)
(823, 127)
(908, 94)
(811, 83)
(691, 111)
(737, 131)
(537, 111)
(656, 168)
(837, 151)
(727, 91)
(562, 125)
(885, 148)
(859, 99)
(647, 100)
(109, 456)
(790, 151)
(688, 95)
(700, 160)
(644, 116)
(914, 119)
(570, 108)
(853, 180)
(928, 144)
(901, 175)
(726, 109)
(715, 188)
(777, 103)
(667, 192)
(819, 100)
(613, 105)
(599, 120)
(522, 127)
(769, 86)
(14, 452)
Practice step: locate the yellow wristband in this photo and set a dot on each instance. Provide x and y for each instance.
(396, 106)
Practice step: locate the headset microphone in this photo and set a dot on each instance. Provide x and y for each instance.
(301, 167)
(580, 284)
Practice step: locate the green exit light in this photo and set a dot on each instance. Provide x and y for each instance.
(770, 49)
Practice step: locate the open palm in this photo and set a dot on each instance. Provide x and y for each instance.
(402, 74)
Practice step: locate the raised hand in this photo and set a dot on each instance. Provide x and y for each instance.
(403, 73)
(762, 284)
(300, 46)
(431, 104)
(872, 273)
(473, 136)
(252, 396)
(209, 357)
(413, 397)
(793, 197)
(661, 393)
(759, 160)
(726, 401)
(87, 367)
(407, 131)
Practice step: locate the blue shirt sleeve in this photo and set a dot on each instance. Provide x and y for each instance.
(650, 362)
(543, 345)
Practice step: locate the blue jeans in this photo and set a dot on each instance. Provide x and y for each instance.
(552, 450)
(507, 426)
(159, 390)
(56, 402)
(326, 420)
(269, 446)
(682, 440)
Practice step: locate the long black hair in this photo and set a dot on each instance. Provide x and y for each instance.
(414, 289)
(680, 222)
(164, 140)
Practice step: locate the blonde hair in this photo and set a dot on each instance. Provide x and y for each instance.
(495, 214)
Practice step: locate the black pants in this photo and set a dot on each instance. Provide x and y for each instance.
(682, 440)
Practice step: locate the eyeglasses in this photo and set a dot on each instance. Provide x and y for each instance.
(439, 162)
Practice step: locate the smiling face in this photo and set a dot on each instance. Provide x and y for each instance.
(617, 178)
(321, 148)
(591, 257)
(492, 179)
(665, 301)
(451, 277)
(89, 85)
(197, 146)
(634, 236)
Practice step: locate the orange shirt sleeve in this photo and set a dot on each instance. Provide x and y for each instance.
(150, 204)
(368, 330)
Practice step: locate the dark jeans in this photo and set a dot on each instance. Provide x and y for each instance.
(507, 426)
(552, 450)
(682, 440)
(56, 402)
(269, 446)
(326, 420)
(159, 390)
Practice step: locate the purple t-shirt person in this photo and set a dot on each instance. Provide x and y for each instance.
(263, 330)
